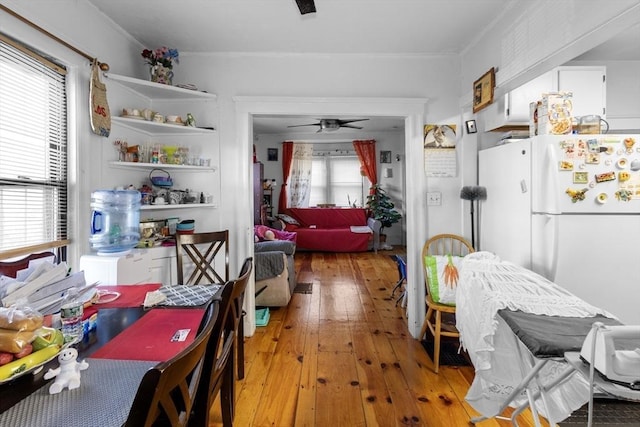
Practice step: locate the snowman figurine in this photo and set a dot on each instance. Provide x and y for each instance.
(68, 373)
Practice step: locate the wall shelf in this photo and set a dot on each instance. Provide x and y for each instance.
(182, 206)
(158, 91)
(155, 128)
(150, 166)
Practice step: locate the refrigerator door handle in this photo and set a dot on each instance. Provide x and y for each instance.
(550, 174)
(555, 239)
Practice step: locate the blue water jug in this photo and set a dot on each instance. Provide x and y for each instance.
(115, 221)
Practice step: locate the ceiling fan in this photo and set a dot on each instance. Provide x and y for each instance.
(330, 125)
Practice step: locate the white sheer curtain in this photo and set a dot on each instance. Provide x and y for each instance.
(300, 179)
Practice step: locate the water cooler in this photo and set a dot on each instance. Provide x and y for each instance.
(115, 231)
(130, 269)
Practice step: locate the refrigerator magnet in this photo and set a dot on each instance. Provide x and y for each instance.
(602, 198)
(606, 176)
(565, 165)
(593, 158)
(580, 177)
(623, 176)
(621, 163)
(576, 195)
(623, 195)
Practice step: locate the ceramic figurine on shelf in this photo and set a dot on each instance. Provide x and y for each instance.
(68, 373)
(190, 120)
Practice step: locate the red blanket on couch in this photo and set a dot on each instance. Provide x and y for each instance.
(329, 229)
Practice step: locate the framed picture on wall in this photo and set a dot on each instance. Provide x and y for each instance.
(471, 126)
(483, 90)
(385, 156)
(272, 154)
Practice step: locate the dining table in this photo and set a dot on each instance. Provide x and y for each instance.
(126, 341)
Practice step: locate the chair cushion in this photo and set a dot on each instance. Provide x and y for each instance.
(442, 276)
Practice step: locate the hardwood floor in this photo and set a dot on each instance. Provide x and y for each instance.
(342, 356)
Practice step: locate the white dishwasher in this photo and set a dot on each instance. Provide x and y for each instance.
(131, 269)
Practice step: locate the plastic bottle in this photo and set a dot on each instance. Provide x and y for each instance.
(71, 316)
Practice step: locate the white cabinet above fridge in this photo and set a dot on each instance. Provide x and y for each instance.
(587, 83)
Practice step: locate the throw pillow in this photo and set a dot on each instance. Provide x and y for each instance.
(289, 220)
(442, 277)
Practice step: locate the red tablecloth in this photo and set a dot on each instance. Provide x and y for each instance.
(150, 337)
(130, 296)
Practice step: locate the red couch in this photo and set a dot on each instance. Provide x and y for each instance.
(332, 229)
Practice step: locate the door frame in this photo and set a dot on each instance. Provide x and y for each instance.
(412, 110)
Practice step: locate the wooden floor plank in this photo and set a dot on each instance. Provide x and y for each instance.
(305, 415)
(338, 400)
(377, 401)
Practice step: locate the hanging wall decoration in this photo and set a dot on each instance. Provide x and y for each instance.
(440, 150)
(99, 108)
(483, 90)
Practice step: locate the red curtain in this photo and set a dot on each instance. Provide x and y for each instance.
(287, 156)
(366, 150)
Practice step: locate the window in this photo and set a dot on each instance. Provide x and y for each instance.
(336, 179)
(33, 151)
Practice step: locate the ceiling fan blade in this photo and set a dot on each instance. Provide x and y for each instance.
(351, 126)
(343, 122)
(310, 124)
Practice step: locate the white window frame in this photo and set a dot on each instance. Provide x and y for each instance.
(323, 160)
(34, 188)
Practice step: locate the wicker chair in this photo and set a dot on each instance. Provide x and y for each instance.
(441, 244)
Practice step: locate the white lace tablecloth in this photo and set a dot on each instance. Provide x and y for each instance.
(487, 285)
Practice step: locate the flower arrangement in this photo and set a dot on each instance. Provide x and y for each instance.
(161, 56)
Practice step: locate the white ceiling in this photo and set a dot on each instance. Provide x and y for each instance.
(338, 26)
(376, 27)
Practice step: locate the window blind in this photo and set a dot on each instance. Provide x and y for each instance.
(33, 150)
(336, 179)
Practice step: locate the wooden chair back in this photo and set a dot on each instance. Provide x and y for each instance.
(11, 268)
(237, 312)
(202, 249)
(444, 244)
(218, 373)
(167, 392)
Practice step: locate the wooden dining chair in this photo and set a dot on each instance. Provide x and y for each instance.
(202, 249)
(219, 371)
(237, 313)
(167, 392)
(441, 244)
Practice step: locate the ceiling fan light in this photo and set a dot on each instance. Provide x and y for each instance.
(329, 125)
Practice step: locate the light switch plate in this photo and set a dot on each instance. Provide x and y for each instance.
(434, 198)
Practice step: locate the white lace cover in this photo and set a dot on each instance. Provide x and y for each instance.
(487, 285)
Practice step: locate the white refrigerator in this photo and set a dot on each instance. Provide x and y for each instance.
(568, 208)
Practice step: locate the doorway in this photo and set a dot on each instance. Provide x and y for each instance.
(412, 111)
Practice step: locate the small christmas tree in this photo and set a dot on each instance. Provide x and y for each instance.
(381, 208)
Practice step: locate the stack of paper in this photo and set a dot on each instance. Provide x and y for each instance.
(43, 286)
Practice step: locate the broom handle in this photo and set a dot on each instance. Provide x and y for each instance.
(473, 233)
